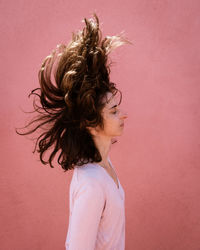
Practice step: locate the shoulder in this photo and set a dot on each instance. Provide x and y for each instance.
(89, 172)
(88, 182)
(89, 175)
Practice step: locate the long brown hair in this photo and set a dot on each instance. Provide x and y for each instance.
(73, 101)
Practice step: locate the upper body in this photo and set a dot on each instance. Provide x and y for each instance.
(97, 212)
(81, 115)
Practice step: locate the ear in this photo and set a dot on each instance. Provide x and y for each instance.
(93, 131)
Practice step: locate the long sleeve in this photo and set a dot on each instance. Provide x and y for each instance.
(88, 203)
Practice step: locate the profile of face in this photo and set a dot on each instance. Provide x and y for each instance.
(113, 117)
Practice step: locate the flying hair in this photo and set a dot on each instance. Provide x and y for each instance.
(72, 101)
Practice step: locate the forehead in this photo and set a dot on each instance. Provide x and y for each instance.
(112, 100)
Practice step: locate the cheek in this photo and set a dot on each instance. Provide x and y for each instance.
(111, 124)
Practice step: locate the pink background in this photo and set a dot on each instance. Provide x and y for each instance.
(158, 156)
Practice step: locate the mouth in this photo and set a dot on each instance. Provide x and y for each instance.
(122, 125)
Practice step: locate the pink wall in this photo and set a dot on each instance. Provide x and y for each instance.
(157, 158)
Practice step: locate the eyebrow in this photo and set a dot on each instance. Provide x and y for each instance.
(113, 106)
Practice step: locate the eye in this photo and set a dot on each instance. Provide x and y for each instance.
(114, 112)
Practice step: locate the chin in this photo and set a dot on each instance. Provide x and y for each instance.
(119, 133)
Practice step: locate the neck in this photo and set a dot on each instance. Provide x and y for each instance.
(103, 144)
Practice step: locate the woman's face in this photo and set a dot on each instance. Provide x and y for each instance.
(113, 117)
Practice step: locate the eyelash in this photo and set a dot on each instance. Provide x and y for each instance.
(114, 112)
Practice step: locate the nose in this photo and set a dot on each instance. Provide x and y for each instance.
(124, 115)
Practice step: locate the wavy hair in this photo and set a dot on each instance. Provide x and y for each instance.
(73, 100)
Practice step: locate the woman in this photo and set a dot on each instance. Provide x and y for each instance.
(80, 113)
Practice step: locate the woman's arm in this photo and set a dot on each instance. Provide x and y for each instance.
(88, 205)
